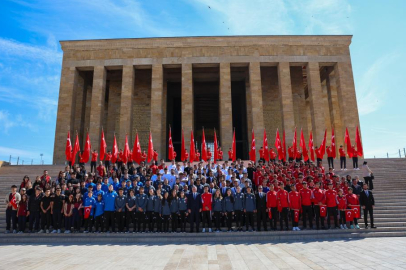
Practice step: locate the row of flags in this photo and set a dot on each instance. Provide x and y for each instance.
(135, 154)
(280, 145)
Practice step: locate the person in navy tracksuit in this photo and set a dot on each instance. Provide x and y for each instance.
(166, 212)
(119, 204)
(158, 210)
(249, 208)
(174, 210)
(141, 202)
(98, 214)
(89, 202)
(182, 211)
(150, 210)
(239, 199)
(217, 206)
(228, 208)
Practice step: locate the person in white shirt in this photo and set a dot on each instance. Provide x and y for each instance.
(367, 174)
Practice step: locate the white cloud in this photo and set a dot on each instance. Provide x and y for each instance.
(8, 122)
(9, 47)
(372, 90)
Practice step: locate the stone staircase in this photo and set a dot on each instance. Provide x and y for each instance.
(389, 214)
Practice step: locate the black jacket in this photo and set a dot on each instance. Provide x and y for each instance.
(366, 200)
(261, 202)
(34, 203)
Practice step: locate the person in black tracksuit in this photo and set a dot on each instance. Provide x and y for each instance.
(249, 209)
(239, 199)
(228, 208)
(261, 209)
(34, 209)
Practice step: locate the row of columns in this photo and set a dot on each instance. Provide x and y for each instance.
(341, 97)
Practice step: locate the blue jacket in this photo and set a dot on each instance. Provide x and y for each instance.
(250, 202)
(90, 202)
(166, 209)
(131, 201)
(150, 203)
(99, 208)
(97, 192)
(182, 204)
(141, 201)
(119, 203)
(239, 201)
(157, 205)
(109, 199)
(174, 206)
(217, 205)
(105, 187)
(228, 205)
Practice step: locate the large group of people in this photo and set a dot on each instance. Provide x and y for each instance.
(210, 197)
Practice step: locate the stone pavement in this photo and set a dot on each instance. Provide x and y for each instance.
(370, 253)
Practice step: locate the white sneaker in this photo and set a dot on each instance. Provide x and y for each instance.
(341, 226)
(41, 231)
(297, 229)
(47, 231)
(345, 226)
(58, 231)
(210, 230)
(204, 230)
(294, 229)
(54, 231)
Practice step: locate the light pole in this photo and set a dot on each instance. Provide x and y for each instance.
(42, 162)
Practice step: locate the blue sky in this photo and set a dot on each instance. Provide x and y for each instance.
(30, 55)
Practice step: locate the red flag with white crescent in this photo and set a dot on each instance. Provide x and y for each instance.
(13, 201)
(347, 141)
(103, 146)
(284, 146)
(192, 150)
(296, 215)
(216, 154)
(358, 143)
(266, 149)
(136, 154)
(323, 210)
(333, 143)
(126, 151)
(150, 148)
(357, 211)
(183, 149)
(303, 146)
(68, 149)
(234, 147)
(253, 150)
(76, 149)
(114, 152)
(270, 214)
(204, 147)
(86, 150)
(171, 155)
(349, 215)
(88, 209)
(294, 143)
(311, 147)
(278, 145)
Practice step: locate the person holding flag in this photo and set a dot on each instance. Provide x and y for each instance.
(89, 204)
(295, 204)
(353, 203)
(12, 201)
(230, 154)
(93, 161)
(171, 151)
(266, 149)
(343, 159)
(68, 150)
(330, 157)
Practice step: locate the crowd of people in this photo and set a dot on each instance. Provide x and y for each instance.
(210, 197)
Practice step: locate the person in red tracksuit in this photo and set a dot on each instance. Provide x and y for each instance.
(352, 200)
(306, 196)
(107, 160)
(230, 154)
(283, 206)
(272, 155)
(272, 206)
(319, 198)
(220, 154)
(261, 154)
(295, 204)
(330, 157)
(331, 201)
(93, 162)
(343, 160)
(120, 159)
(291, 153)
(342, 205)
(354, 153)
(206, 208)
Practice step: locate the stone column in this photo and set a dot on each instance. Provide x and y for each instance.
(335, 110)
(286, 99)
(126, 105)
(97, 105)
(316, 102)
(256, 105)
(187, 102)
(66, 112)
(156, 107)
(347, 97)
(226, 113)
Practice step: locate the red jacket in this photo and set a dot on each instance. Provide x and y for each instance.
(306, 197)
(271, 199)
(294, 200)
(331, 198)
(342, 202)
(94, 156)
(329, 152)
(230, 154)
(108, 157)
(206, 201)
(261, 153)
(319, 196)
(352, 199)
(282, 197)
(318, 154)
(272, 154)
(342, 152)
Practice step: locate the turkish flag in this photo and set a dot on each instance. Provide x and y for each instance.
(150, 148)
(333, 143)
(86, 150)
(234, 148)
(13, 201)
(296, 217)
(126, 152)
(183, 150)
(284, 146)
(103, 146)
(270, 214)
(68, 149)
(136, 154)
(303, 146)
(252, 150)
(266, 149)
(216, 154)
(280, 207)
(192, 150)
(323, 210)
(88, 209)
(294, 143)
(114, 152)
(358, 143)
(311, 146)
(204, 148)
(347, 141)
(171, 155)
(349, 215)
(278, 145)
(357, 211)
(322, 148)
(76, 149)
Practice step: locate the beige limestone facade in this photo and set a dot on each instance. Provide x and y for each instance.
(129, 86)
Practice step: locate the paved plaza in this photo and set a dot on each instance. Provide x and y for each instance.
(370, 253)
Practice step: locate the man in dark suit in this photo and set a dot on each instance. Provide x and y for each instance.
(262, 215)
(194, 206)
(367, 202)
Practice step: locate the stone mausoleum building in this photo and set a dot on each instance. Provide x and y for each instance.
(246, 82)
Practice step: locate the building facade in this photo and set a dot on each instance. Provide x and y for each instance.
(129, 86)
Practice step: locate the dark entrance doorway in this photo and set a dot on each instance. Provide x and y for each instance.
(238, 94)
(174, 116)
